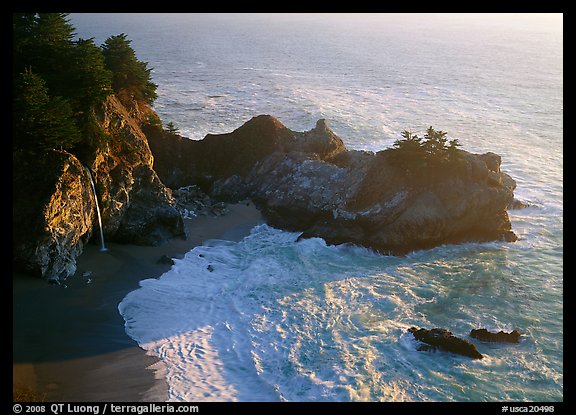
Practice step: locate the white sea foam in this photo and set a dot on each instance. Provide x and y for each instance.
(274, 318)
(278, 319)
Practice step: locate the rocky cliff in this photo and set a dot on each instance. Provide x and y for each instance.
(136, 206)
(53, 204)
(309, 182)
(302, 181)
(53, 213)
(180, 161)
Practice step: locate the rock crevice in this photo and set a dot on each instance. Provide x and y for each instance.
(54, 212)
(309, 182)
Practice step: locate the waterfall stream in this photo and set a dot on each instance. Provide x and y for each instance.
(102, 245)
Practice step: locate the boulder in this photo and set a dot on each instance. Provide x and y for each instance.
(501, 336)
(444, 340)
(164, 259)
(191, 201)
(518, 204)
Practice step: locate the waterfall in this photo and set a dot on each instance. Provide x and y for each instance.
(102, 246)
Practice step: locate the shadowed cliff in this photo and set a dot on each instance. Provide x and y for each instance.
(54, 211)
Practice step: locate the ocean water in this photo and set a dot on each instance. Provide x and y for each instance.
(277, 319)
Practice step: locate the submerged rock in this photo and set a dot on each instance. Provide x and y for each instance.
(501, 336)
(517, 204)
(445, 340)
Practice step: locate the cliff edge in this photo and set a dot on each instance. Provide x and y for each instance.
(54, 210)
(309, 182)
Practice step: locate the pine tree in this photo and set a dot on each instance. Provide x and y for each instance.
(429, 156)
(41, 122)
(409, 152)
(49, 50)
(22, 38)
(128, 73)
(410, 144)
(171, 128)
(59, 83)
(435, 144)
(90, 81)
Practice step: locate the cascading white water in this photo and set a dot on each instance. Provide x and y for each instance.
(102, 245)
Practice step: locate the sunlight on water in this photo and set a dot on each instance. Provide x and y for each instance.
(303, 321)
(286, 320)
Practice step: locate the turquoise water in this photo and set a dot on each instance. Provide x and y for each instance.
(301, 321)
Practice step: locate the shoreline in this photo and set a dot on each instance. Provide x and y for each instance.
(69, 342)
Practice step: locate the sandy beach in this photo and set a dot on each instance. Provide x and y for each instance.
(69, 342)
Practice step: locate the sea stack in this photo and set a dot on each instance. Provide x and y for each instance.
(310, 182)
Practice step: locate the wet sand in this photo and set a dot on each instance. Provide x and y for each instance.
(69, 342)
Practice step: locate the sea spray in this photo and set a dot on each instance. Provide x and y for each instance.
(275, 318)
(499, 91)
(102, 245)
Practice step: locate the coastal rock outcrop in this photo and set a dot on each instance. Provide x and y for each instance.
(52, 213)
(442, 339)
(136, 206)
(501, 336)
(53, 205)
(180, 161)
(309, 182)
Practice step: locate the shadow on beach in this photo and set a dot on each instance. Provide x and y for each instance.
(69, 342)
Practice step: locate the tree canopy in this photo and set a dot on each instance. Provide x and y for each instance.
(128, 72)
(419, 154)
(58, 82)
(41, 122)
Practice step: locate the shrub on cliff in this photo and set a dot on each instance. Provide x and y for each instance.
(91, 81)
(73, 70)
(58, 82)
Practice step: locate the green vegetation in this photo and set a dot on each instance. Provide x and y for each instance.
(128, 72)
(420, 156)
(171, 128)
(428, 151)
(41, 122)
(59, 83)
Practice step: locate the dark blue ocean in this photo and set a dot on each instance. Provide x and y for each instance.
(287, 320)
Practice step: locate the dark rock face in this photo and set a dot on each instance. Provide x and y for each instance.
(180, 161)
(150, 218)
(54, 208)
(501, 336)
(445, 340)
(309, 182)
(53, 214)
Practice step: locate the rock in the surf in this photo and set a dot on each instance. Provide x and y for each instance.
(445, 340)
(501, 336)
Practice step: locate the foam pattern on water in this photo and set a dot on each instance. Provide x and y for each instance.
(272, 318)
